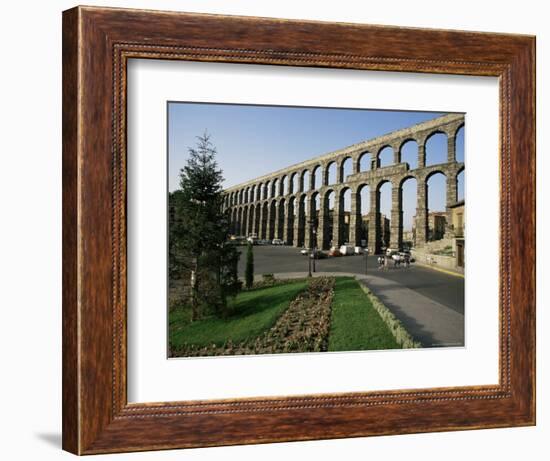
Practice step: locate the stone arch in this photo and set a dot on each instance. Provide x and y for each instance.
(305, 181)
(244, 224)
(436, 148)
(274, 188)
(382, 214)
(345, 169)
(314, 223)
(300, 220)
(438, 187)
(459, 143)
(326, 221)
(343, 216)
(408, 152)
(330, 175)
(460, 185)
(294, 183)
(281, 212)
(264, 230)
(362, 211)
(406, 213)
(384, 157)
(257, 218)
(251, 219)
(364, 162)
(283, 185)
(272, 213)
(290, 221)
(316, 177)
(259, 192)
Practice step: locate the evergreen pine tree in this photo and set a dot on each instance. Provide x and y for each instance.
(199, 231)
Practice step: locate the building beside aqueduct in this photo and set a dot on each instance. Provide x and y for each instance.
(286, 204)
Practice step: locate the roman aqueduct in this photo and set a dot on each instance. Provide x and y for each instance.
(282, 204)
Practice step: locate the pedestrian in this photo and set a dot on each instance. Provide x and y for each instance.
(407, 260)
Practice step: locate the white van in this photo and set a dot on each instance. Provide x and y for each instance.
(347, 250)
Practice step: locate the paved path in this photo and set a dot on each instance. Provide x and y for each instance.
(442, 288)
(428, 321)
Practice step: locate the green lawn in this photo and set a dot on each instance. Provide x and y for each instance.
(355, 325)
(254, 312)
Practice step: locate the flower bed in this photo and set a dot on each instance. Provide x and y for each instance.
(303, 327)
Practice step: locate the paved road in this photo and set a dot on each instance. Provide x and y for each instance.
(445, 289)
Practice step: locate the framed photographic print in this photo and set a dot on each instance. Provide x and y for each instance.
(284, 230)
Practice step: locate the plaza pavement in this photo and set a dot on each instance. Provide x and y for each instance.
(429, 304)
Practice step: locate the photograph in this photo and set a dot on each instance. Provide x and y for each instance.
(313, 229)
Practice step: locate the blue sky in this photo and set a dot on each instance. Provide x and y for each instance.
(255, 140)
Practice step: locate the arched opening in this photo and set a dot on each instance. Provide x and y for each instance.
(272, 220)
(267, 190)
(274, 188)
(385, 157)
(284, 185)
(329, 239)
(294, 186)
(408, 199)
(238, 222)
(344, 219)
(244, 226)
(302, 216)
(263, 226)
(365, 161)
(436, 205)
(363, 211)
(258, 192)
(291, 219)
(436, 149)
(314, 210)
(346, 168)
(460, 183)
(281, 219)
(459, 144)
(317, 177)
(305, 181)
(331, 173)
(409, 153)
(384, 215)
(257, 215)
(251, 220)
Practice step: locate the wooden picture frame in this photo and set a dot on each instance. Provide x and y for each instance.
(97, 43)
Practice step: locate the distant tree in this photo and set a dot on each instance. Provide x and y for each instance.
(199, 230)
(249, 270)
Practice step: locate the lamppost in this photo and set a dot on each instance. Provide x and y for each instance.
(313, 226)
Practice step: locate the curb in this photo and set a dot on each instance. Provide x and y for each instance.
(401, 335)
(439, 269)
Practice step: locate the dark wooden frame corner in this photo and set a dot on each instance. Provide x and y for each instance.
(97, 43)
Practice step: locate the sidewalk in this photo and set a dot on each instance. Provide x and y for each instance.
(428, 321)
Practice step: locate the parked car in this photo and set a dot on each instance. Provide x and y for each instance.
(318, 254)
(277, 242)
(359, 250)
(305, 251)
(334, 252)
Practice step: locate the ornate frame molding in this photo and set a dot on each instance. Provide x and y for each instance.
(97, 43)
